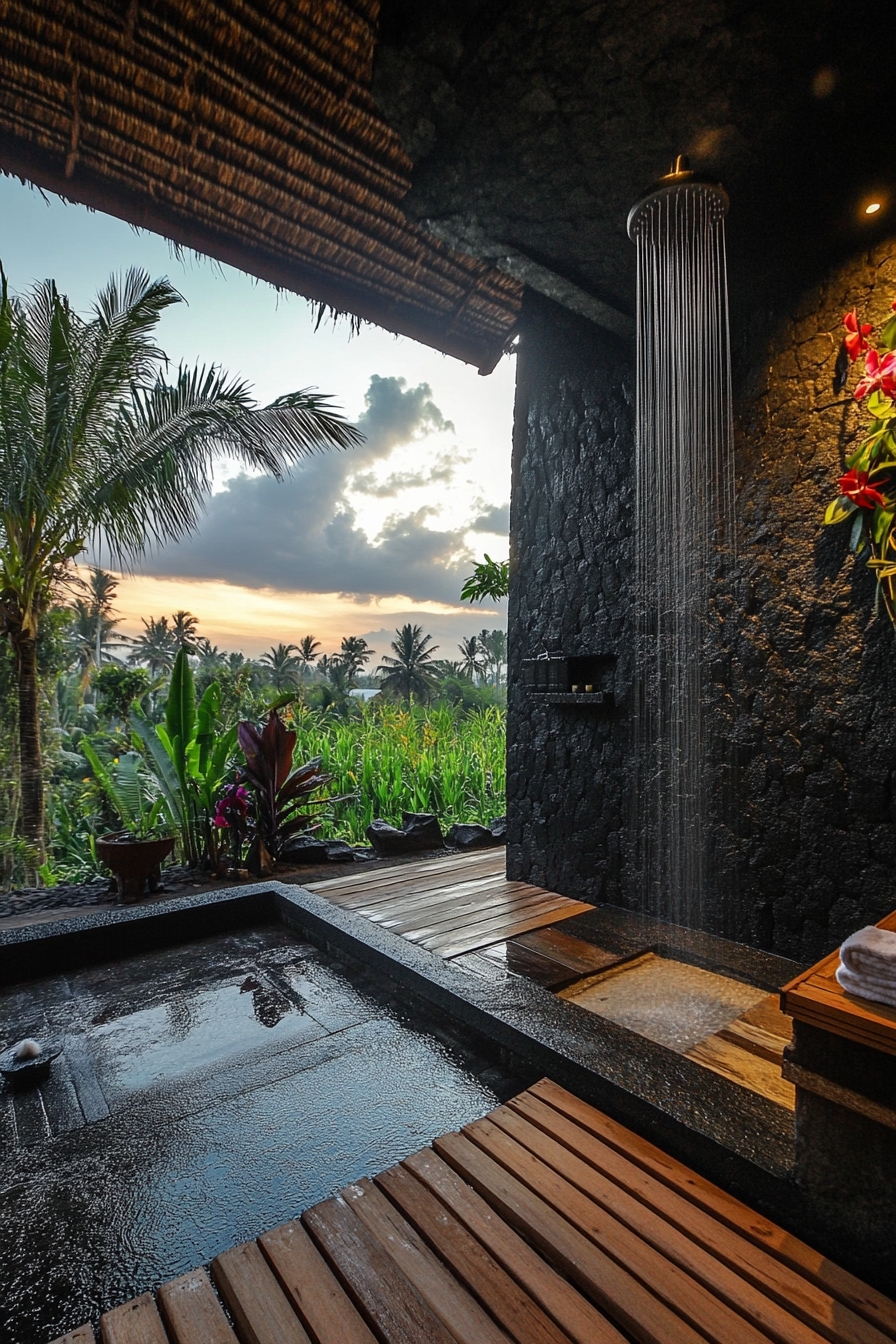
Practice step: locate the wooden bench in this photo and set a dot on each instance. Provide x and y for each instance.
(543, 1223)
(816, 998)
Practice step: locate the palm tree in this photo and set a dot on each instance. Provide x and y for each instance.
(282, 667)
(354, 653)
(156, 647)
(94, 620)
(211, 660)
(334, 692)
(494, 646)
(472, 663)
(184, 627)
(95, 445)
(409, 672)
(307, 652)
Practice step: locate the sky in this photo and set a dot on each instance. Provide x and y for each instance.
(352, 543)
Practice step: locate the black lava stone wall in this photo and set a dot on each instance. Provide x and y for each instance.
(812, 668)
(571, 551)
(804, 671)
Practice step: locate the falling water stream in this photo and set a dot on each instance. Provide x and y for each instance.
(684, 530)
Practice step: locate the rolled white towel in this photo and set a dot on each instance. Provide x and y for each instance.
(868, 965)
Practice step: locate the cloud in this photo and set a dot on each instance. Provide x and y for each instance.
(495, 519)
(442, 471)
(301, 533)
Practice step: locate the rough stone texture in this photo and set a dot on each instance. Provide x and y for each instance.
(804, 678)
(419, 831)
(423, 829)
(811, 671)
(570, 592)
(470, 835)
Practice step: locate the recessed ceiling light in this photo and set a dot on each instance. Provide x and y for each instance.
(873, 208)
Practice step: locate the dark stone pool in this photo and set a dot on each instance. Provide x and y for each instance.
(205, 1093)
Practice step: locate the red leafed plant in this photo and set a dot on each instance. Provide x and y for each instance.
(283, 800)
(868, 487)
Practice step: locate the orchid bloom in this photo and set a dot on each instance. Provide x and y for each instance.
(854, 340)
(880, 375)
(854, 485)
(232, 808)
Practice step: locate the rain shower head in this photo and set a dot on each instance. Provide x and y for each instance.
(680, 178)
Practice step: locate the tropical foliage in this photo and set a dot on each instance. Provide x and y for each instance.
(131, 752)
(490, 579)
(868, 486)
(408, 670)
(97, 445)
(283, 794)
(192, 756)
(390, 759)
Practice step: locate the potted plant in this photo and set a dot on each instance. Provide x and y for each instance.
(134, 854)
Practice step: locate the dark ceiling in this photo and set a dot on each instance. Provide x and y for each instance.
(536, 124)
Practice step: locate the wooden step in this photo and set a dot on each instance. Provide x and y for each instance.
(312, 1288)
(136, 1322)
(191, 1311)
(545, 1222)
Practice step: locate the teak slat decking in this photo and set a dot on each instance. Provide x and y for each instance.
(543, 1223)
(816, 998)
(450, 906)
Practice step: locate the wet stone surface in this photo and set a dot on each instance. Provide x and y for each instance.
(205, 1093)
(670, 1003)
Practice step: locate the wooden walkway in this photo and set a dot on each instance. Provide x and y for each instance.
(544, 1223)
(452, 905)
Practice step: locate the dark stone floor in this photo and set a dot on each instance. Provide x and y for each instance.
(205, 1093)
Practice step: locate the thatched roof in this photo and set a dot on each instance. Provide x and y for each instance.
(244, 129)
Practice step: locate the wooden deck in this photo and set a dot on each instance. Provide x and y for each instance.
(452, 905)
(815, 997)
(750, 1051)
(544, 1223)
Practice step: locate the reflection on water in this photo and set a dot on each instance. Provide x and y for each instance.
(247, 1076)
(192, 1031)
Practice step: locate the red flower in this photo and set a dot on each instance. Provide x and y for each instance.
(232, 808)
(880, 375)
(854, 485)
(854, 340)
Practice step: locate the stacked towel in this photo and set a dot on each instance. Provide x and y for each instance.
(868, 965)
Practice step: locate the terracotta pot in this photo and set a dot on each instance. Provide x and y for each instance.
(134, 863)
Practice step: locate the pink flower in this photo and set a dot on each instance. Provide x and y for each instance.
(854, 340)
(880, 375)
(232, 808)
(854, 485)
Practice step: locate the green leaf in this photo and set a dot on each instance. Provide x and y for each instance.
(490, 579)
(156, 742)
(856, 533)
(881, 524)
(180, 711)
(880, 407)
(887, 338)
(103, 777)
(839, 509)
